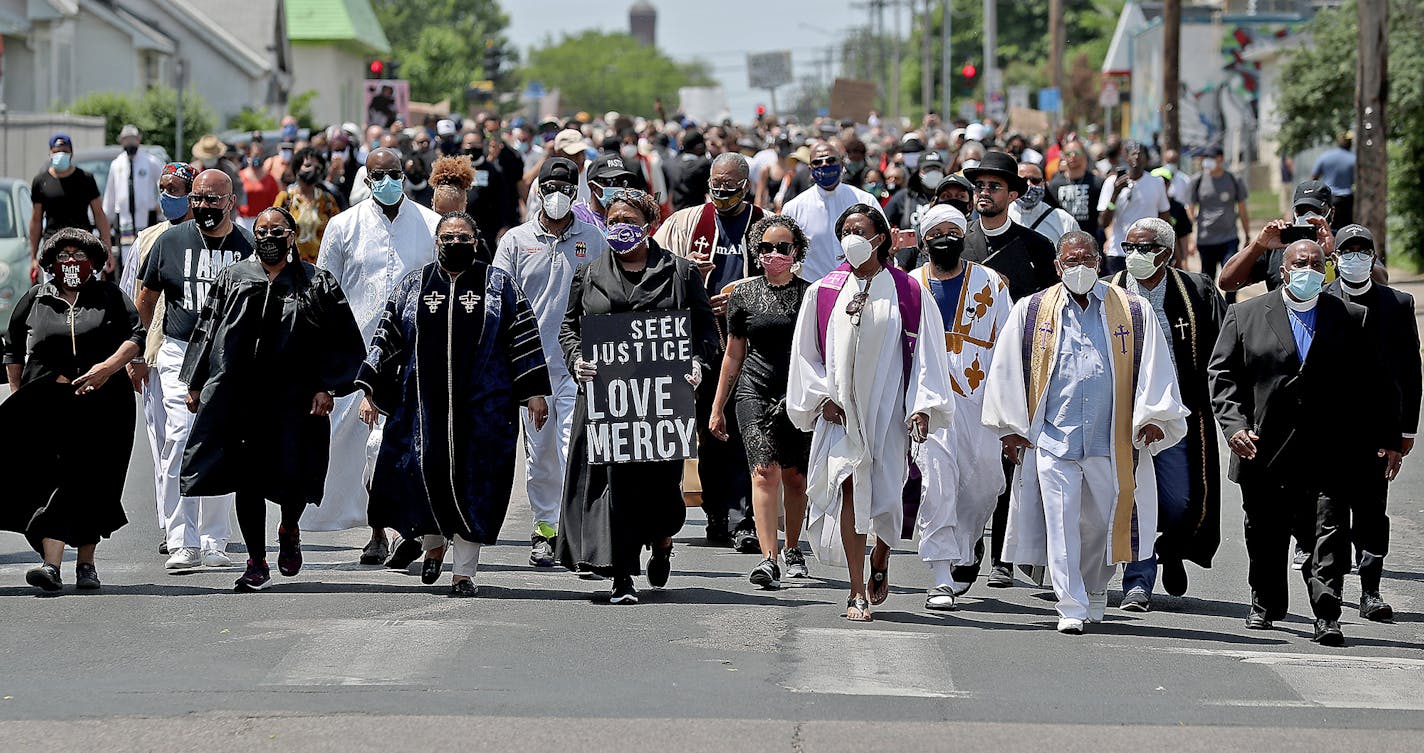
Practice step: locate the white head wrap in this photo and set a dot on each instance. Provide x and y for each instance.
(940, 213)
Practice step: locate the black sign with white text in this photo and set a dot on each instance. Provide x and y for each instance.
(640, 405)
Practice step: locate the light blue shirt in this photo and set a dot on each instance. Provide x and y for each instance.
(1077, 418)
(1336, 169)
(1302, 329)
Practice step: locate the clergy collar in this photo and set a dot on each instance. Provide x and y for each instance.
(994, 232)
(1295, 305)
(1351, 290)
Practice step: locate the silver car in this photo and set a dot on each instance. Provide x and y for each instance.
(14, 245)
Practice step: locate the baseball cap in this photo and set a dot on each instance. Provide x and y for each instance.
(1358, 233)
(910, 142)
(930, 158)
(128, 130)
(60, 139)
(445, 128)
(559, 168)
(1312, 193)
(569, 142)
(608, 166)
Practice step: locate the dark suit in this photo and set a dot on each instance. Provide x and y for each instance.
(1391, 312)
(1312, 449)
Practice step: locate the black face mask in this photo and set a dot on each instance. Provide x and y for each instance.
(132, 149)
(945, 251)
(961, 205)
(209, 217)
(271, 250)
(307, 176)
(456, 257)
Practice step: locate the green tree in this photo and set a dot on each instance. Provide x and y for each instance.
(250, 119)
(1317, 102)
(154, 111)
(440, 44)
(598, 71)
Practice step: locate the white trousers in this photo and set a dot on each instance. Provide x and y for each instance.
(1077, 506)
(546, 451)
(465, 555)
(194, 522)
(156, 420)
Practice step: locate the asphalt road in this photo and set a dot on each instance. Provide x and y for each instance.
(344, 657)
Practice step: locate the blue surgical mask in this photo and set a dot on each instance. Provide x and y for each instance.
(174, 207)
(826, 176)
(1305, 283)
(388, 191)
(60, 160)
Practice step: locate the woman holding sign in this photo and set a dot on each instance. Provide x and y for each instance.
(761, 320)
(611, 510)
(866, 392)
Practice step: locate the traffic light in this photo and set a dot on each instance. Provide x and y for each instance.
(969, 71)
(761, 111)
(377, 68)
(493, 58)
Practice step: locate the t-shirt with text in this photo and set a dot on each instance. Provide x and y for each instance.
(183, 264)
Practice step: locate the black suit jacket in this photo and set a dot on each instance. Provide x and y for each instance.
(1307, 428)
(1022, 256)
(1392, 312)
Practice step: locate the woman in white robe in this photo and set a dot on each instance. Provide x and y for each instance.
(859, 404)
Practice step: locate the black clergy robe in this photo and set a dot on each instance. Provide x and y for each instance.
(260, 352)
(452, 360)
(1195, 309)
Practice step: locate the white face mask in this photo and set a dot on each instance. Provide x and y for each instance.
(931, 178)
(1142, 264)
(857, 249)
(1208, 164)
(557, 204)
(1355, 267)
(1080, 279)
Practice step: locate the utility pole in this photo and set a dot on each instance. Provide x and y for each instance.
(926, 64)
(878, 7)
(1171, 59)
(944, 74)
(895, 72)
(990, 76)
(1371, 124)
(1055, 45)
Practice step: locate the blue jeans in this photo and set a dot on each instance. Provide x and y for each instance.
(1173, 489)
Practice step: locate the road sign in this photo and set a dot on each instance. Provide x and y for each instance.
(1049, 100)
(1110, 97)
(534, 90)
(1018, 97)
(768, 70)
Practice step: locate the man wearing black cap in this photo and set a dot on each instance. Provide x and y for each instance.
(688, 172)
(956, 191)
(1217, 202)
(608, 175)
(1261, 259)
(905, 206)
(1391, 313)
(64, 196)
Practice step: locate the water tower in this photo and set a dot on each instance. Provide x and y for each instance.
(643, 23)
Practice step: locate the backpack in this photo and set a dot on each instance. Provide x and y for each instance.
(906, 292)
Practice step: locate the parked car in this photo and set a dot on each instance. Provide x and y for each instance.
(97, 161)
(14, 245)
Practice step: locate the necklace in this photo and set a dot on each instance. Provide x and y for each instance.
(221, 241)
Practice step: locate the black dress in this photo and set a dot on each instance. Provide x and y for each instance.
(765, 316)
(73, 449)
(611, 511)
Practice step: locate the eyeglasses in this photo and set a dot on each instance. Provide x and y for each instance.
(271, 232)
(825, 161)
(983, 187)
(727, 189)
(784, 247)
(376, 175)
(456, 238)
(210, 199)
(1140, 248)
(71, 256)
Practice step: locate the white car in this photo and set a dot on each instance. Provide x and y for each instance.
(14, 245)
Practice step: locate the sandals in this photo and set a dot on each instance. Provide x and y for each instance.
(859, 605)
(878, 587)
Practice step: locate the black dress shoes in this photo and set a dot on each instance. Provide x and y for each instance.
(1258, 621)
(1174, 577)
(1327, 633)
(1375, 609)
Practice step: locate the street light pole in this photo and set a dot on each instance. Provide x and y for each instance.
(944, 74)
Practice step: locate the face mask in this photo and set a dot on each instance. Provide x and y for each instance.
(60, 161)
(961, 204)
(271, 250)
(625, 236)
(286, 155)
(209, 217)
(855, 164)
(826, 176)
(857, 250)
(456, 257)
(1142, 265)
(628, 152)
(72, 274)
(776, 264)
(1031, 197)
(944, 251)
(1080, 279)
(388, 191)
(1355, 267)
(1208, 164)
(307, 176)
(725, 199)
(931, 178)
(1304, 284)
(289, 132)
(872, 188)
(174, 207)
(556, 205)
(131, 149)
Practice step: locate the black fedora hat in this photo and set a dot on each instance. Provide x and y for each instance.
(1000, 165)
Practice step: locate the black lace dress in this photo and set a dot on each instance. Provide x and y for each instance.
(765, 315)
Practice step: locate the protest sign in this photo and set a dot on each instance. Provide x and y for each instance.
(639, 407)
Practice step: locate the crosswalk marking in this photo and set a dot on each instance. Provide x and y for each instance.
(869, 662)
(1344, 681)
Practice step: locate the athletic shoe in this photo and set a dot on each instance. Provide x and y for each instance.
(1070, 626)
(659, 567)
(289, 552)
(541, 554)
(1174, 577)
(215, 558)
(464, 589)
(163, 548)
(185, 558)
(717, 529)
(766, 575)
(623, 591)
(255, 579)
(795, 562)
(1258, 621)
(403, 553)
(745, 541)
(1097, 606)
(1136, 600)
(940, 598)
(1327, 633)
(1001, 576)
(1300, 557)
(376, 551)
(86, 577)
(45, 578)
(1374, 608)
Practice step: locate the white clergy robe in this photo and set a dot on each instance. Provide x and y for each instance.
(368, 255)
(863, 372)
(960, 467)
(1155, 400)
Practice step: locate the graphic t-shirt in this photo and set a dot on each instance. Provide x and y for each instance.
(727, 256)
(183, 264)
(1078, 198)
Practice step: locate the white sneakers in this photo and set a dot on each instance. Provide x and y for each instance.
(1070, 626)
(215, 558)
(184, 558)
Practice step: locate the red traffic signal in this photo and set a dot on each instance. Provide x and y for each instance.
(377, 67)
(969, 70)
(761, 111)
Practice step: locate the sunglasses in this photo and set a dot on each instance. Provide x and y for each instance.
(983, 187)
(825, 161)
(376, 175)
(71, 256)
(271, 232)
(784, 247)
(210, 199)
(1140, 248)
(1034, 181)
(568, 190)
(456, 238)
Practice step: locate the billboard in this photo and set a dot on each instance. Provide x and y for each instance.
(386, 100)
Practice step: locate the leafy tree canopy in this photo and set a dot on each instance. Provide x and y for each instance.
(598, 71)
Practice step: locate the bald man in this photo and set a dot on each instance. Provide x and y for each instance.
(1279, 371)
(181, 268)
